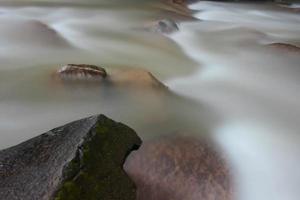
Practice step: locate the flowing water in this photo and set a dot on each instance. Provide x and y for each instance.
(37, 39)
(227, 83)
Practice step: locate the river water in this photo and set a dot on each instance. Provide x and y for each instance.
(39, 38)
(227, 82)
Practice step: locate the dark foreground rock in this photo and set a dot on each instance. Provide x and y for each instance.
(177, 168)
(81, 160)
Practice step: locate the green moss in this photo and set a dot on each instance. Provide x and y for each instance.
(96, 172)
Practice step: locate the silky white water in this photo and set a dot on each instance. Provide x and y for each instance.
(228, 83)
(253, 88)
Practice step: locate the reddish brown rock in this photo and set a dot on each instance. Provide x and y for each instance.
(285, 47)
(32, 33)
(179, 168)
(138, 78)
(184, 1)
(74, 74)
(177, 9)
(287, 7)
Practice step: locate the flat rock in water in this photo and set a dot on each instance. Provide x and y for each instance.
(285, 47)
(34, 33)
(137, 78)
(80, 160)
(80, 72)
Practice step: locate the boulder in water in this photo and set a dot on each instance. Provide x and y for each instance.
(34, 33)
(285, 47)
(81, 160)
(166, 26)
(83, 73)
(179, 167)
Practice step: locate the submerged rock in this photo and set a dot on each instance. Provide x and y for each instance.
(34, 33)
(81, 160)
(177, 168)
(285, 47)
(83, 73)
(166, 26)
(137, 78)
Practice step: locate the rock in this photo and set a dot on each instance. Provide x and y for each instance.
(175, 9)
(184, 1)
(81, 160)
(34, 33)
(180, 167)
(181, 2)
(282, 3)
(285, 47)
(81, 72)
(166, 26)
(137, 78)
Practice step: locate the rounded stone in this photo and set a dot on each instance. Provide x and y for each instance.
(81, 72)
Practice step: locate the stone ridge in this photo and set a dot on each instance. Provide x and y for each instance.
(37, 169)
(94, 175)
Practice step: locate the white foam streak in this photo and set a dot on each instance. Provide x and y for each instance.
(253, 88)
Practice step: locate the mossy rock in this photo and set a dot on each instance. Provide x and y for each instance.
(96, 172)
(81, 160)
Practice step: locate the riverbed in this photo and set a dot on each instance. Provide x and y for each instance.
(225, 81)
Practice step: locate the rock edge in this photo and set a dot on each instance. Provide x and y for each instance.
(85, 157)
